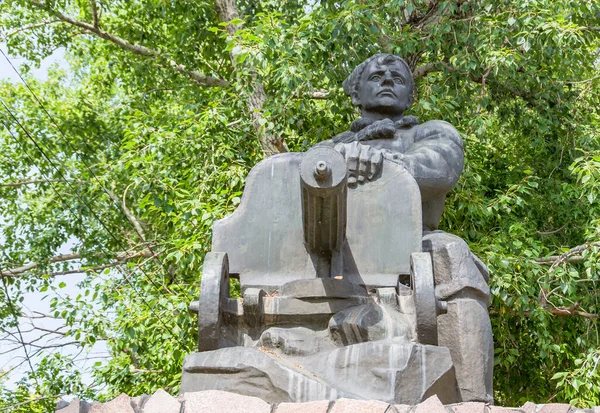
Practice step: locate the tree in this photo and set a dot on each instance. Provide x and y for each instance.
(167, 105)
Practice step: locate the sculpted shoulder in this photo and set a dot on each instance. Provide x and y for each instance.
(438, 129)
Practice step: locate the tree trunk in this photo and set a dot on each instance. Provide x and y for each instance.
(271, 145)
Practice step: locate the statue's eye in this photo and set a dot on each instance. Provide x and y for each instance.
(399, 80)
(375, 78)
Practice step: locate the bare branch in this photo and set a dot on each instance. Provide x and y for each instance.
(37, 399)
(31, 266)
(121, 257)
(140, 371)
(583, 81)
(198, 77)
(320, 94)
(94, 11)
(51, 331)
(550, 232)
(549, 261)
(29, 27)
(134, 221)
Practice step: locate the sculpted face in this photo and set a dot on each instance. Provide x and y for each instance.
(384, 89)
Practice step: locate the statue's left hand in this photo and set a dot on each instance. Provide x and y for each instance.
(364, 161)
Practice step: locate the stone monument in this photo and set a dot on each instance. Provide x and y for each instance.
(349, 290)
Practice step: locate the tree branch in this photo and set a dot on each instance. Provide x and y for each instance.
(270, 144)
(19, 270)
(197, 76)
(29, 27)
(94, 11)
(130, 217)
(121, 258)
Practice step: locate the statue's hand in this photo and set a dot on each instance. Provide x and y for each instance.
(364, 162)
(382, 129)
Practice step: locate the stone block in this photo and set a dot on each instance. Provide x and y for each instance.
(555, 408)
(529, 407)
(369, 322)
(470, 407)
(359, 406)
(162, 402)
(390, 370)
(322, 287)
(498, 409)
(121, 404)
(402, 408)
(246, 370)
(296, 307)
(73, 407)
(138, 402)
(297, 340)
(320, 406)
(431, 405)
(211, 401)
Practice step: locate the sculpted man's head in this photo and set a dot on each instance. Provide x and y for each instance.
(381, 86)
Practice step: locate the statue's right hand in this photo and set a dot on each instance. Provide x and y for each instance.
(363, 161)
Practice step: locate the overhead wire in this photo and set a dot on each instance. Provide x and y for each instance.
(87, 167)
(118, 266)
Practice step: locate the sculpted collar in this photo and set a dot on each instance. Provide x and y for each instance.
(406, 122)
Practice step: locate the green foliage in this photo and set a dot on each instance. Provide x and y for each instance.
(130, 133)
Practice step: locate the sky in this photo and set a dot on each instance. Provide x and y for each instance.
(40, 301)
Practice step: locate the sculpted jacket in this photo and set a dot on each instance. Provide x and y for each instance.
(432, 152)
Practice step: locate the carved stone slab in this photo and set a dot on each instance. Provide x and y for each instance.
(264, 238)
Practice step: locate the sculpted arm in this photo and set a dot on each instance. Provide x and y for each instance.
(435, 159)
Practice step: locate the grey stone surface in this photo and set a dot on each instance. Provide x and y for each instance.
(369, 322)
(214, 290)
(390, 371)
(431, 405)
(467, 332)
(212, 401)
(250, 371)
(529, 407)
(320, 406)
(286, 306)
(297, 340)
(322, 287)
(402, 408)
(137, 403)
(359, 406)
(469, 407)
(499, 409)
(162, 402)
(121, 404)
(324, 198)
(326, 244)
(555, 408)
(72, 407)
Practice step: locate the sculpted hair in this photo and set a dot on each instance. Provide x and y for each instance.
(352, 82)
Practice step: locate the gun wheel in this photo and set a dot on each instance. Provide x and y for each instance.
(214, 291)
(423, 285)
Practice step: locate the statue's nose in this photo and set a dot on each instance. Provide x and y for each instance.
(387, 79)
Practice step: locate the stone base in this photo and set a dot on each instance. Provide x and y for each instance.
(388, 370)
(211, 401)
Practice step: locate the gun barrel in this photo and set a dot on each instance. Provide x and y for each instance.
(323, 176)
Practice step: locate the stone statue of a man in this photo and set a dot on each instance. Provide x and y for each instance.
(382, 87)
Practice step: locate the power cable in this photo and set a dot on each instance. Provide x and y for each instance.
(85, 164)
(85, 203)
